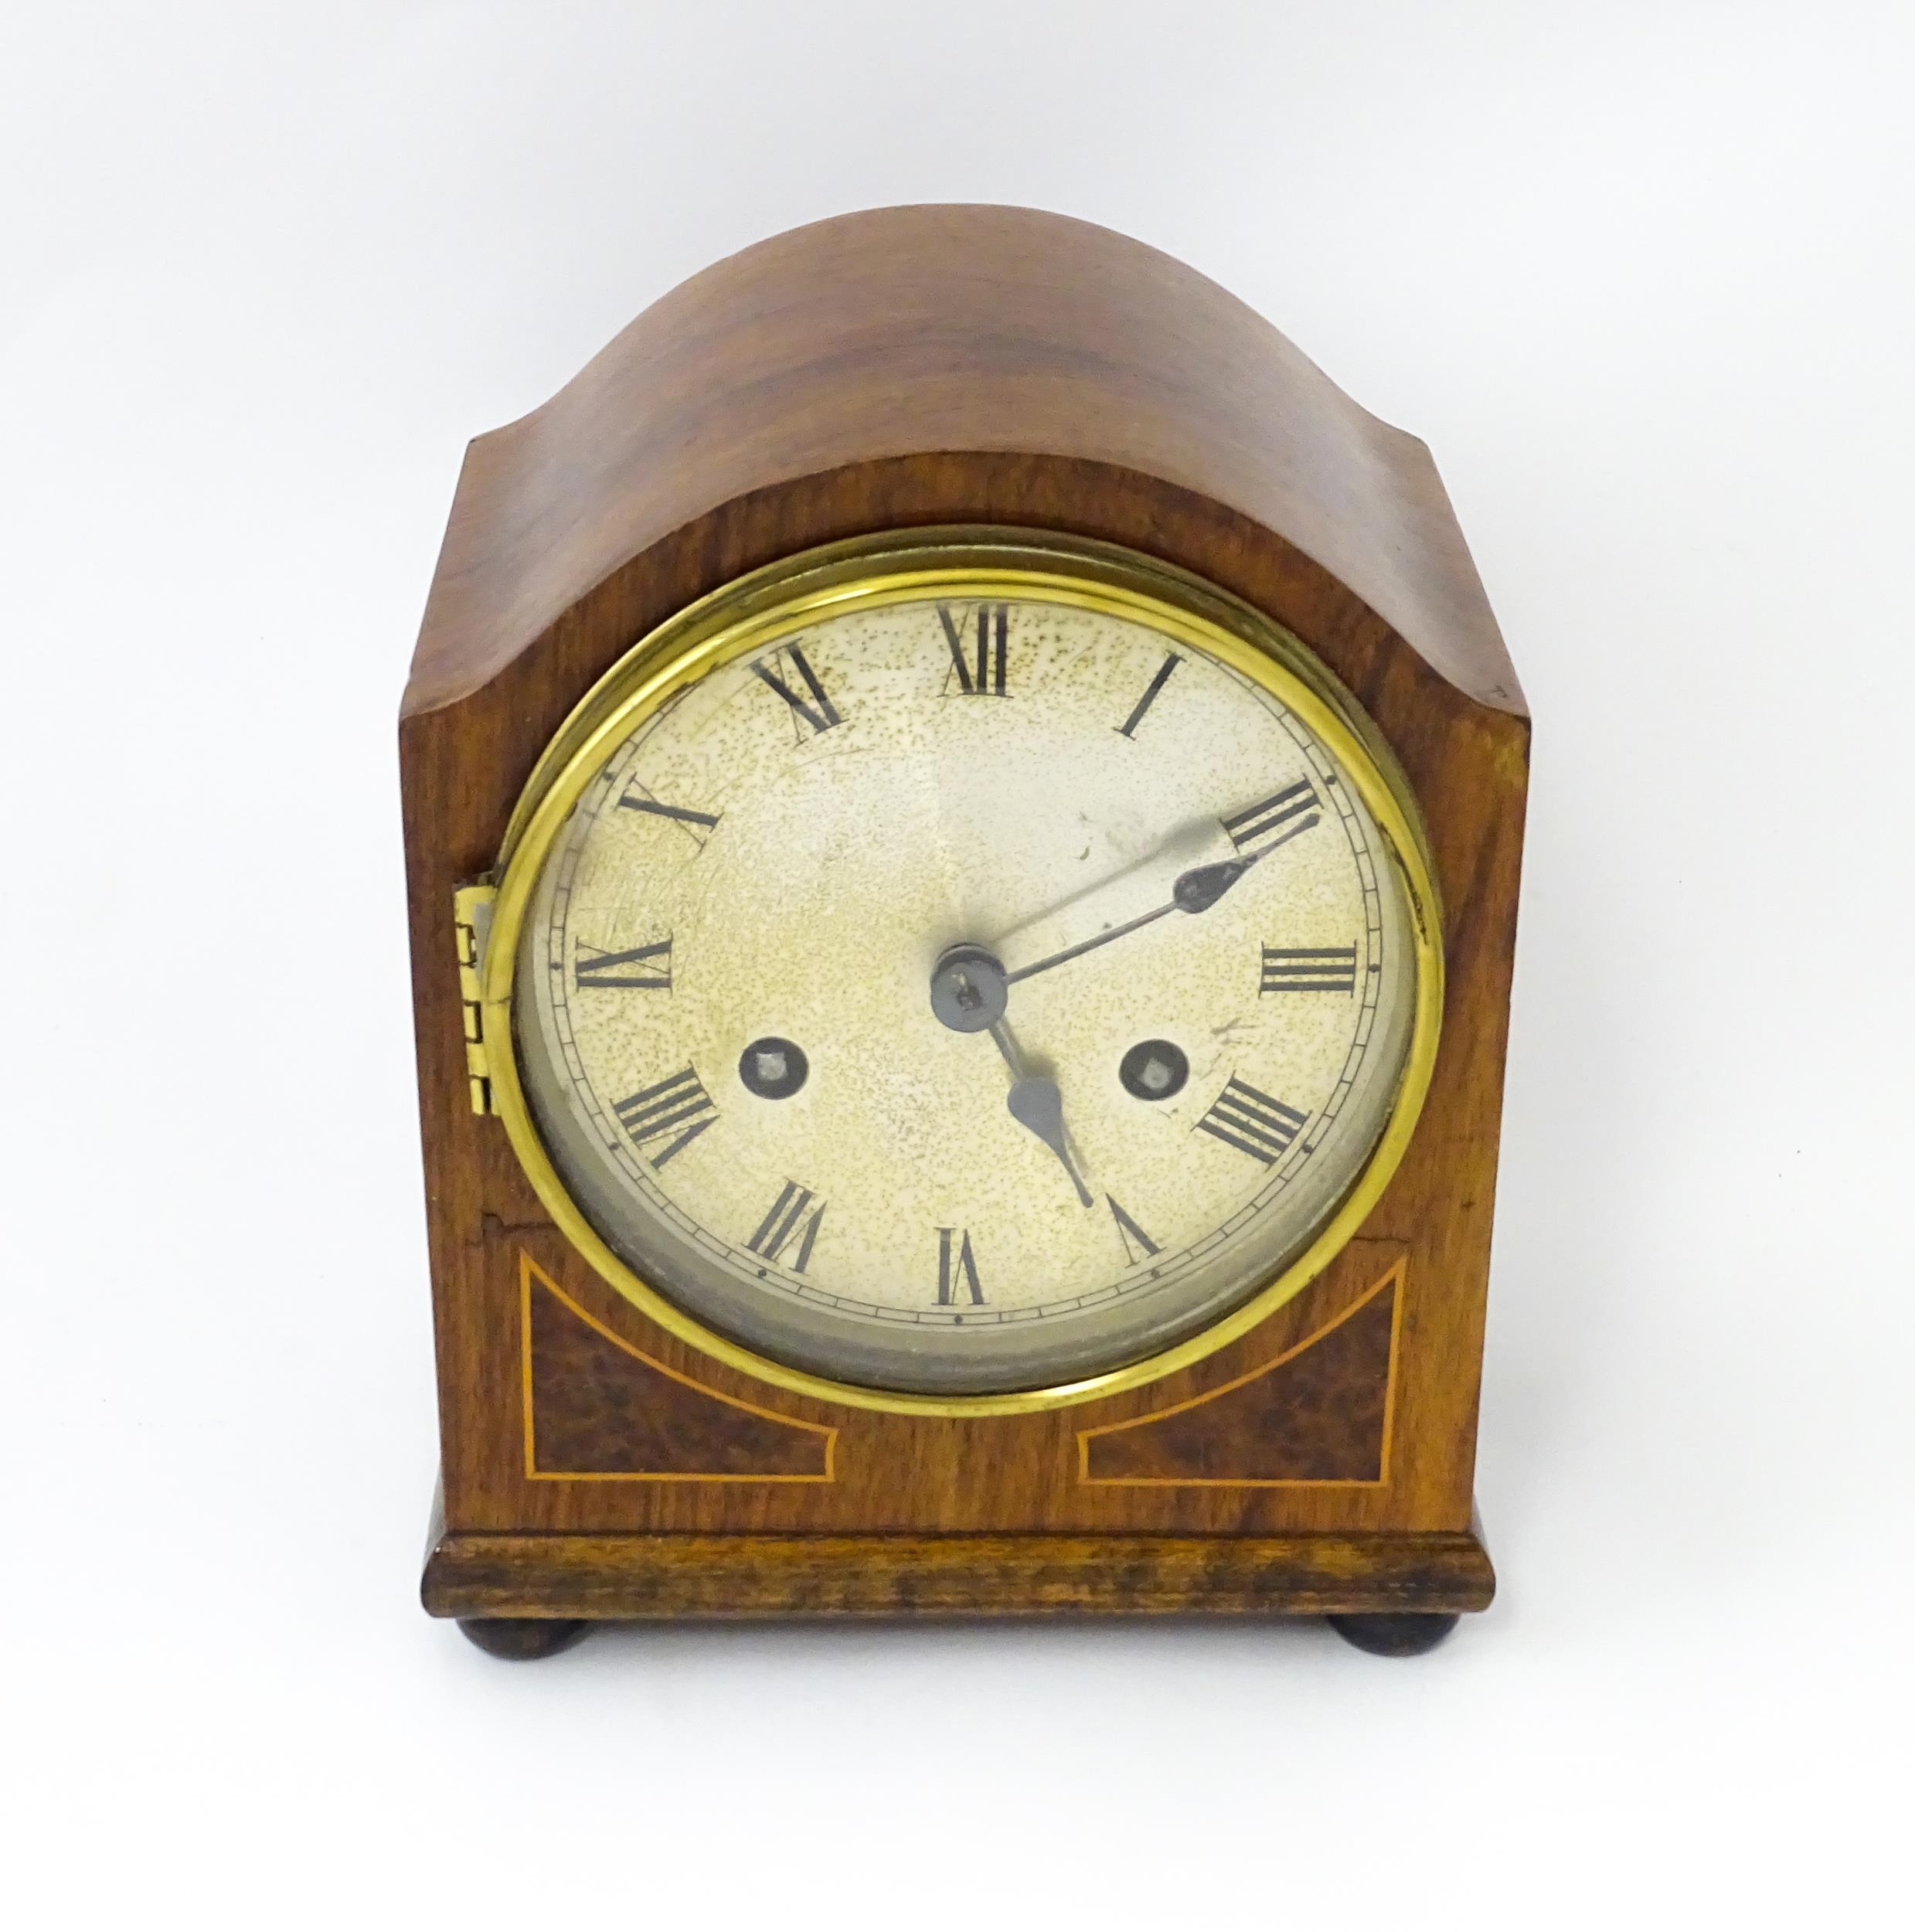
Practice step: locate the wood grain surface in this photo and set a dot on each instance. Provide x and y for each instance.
(904, 331)
(913, 367)
(1319, 1413)
(597, 1410)
(785, 1576)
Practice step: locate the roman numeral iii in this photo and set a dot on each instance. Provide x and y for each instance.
(1282, 815)
(787, 1223)
(815, 709)
(677, 1111)
(1309, 969)
(957, 1268)
(648, 967)
(980, 668)
(1252, 1122)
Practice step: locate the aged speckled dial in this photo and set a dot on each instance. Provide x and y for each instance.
(965, 991)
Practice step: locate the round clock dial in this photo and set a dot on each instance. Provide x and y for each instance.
(969, 980)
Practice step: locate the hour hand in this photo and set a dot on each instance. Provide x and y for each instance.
(968, 990)
(1038, 1103)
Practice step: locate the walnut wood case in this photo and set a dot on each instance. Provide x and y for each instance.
(895, 370)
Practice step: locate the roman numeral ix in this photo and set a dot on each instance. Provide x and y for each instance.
(645, 966)
(1309, 969)
(818, 711)
(980, 673)
(787, 1223)
(1252, 1122)
(955, 1266)
(1282, 815)
(677, 1110)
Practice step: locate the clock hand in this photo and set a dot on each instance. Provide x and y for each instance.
(1038, 1104)
(1195, 891)
(1089, 945)
(967, 994)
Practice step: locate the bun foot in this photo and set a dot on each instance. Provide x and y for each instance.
(1407, 1633)
(522, 1638)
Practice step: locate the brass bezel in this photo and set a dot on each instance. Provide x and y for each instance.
(898, 567)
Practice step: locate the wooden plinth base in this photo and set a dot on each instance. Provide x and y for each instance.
(585, 1576)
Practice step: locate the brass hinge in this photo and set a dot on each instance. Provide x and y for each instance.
(472, 926)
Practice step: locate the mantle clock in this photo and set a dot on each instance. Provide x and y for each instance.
(963, 808)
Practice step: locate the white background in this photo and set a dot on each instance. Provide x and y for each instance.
(1641, 276)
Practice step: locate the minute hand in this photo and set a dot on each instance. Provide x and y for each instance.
(1195, 891)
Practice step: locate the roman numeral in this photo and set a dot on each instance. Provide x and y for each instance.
(980, 674)
(644, 966)
(699, 825)
(1129, 1232)
(1309, 969)
(1282, 815)
(678, 1109)
(818, 711)
(781, 1227)
(955, 1266)
(1252, 1122)
(1130, 724)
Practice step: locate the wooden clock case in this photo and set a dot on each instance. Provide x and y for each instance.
(894, 370)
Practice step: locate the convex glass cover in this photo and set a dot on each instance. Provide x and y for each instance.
(964, 967)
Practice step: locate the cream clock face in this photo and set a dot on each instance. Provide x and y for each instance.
(966, 992)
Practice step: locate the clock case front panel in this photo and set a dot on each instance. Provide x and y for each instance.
(905, 369)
